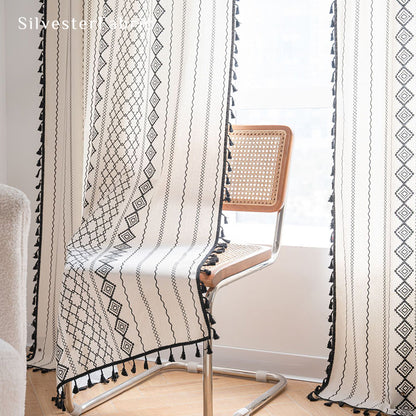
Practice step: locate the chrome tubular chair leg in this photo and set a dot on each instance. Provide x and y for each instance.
(207, 382)
(278, 381)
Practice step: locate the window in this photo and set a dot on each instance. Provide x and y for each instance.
(284, 77)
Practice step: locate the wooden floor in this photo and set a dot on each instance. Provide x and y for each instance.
(180, 394)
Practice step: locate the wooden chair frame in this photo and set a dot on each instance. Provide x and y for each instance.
(207, 369)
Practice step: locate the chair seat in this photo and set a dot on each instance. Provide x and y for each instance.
(235, 259)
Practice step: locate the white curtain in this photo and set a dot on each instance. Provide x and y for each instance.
(372, 364)
(142, 94)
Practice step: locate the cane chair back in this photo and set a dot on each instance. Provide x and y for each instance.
(259, 166)
(258, 178)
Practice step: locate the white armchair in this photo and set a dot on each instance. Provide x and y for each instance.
(14, 230)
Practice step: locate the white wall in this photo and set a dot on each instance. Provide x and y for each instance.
(275, 320)
(3, 127)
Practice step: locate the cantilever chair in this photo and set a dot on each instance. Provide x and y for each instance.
(260, 161)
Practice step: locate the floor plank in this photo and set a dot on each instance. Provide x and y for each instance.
(180, 393)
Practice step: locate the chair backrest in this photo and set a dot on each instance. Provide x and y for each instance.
(259, 168)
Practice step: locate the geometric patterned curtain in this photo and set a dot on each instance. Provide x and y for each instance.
(373, 336)
(142, 97)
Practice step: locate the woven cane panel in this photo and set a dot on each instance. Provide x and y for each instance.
(257, 159)
(235, 252)
(235, 259)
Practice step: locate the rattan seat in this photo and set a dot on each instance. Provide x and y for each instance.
(235, 259)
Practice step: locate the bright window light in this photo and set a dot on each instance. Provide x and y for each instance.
(284, 77)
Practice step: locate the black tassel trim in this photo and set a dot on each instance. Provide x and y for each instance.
(103, 380)
(183, 355)
(124, 371)
(39, 175)
(332, 305)
(133, 368)
(89, 383)
(158, 360)
(114, 375)
(311, 397)
(197, 352)
(146, 364)
(171, 357)
(75, 390)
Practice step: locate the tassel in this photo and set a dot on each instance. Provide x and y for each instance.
(158, 360)
(356, 411)
(329, 404)
(312, 398)
(237, 38)
(197, 352)
(171, 358)
(215, 335)
(103, 379)
(183, 355)
(75, 390)
(89, 383)
(146, 364)
(124, 371)
(114, 375)
(133, 369)
(209, 350)
(211, 319)
(366, 413)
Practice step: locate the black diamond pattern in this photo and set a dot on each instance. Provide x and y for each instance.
(405, 212)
